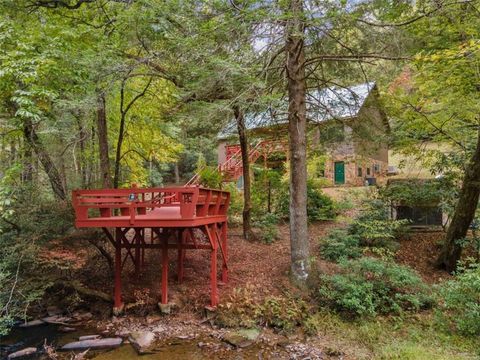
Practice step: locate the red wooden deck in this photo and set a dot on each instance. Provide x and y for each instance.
(178, 218)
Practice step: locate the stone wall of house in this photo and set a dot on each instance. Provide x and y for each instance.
(354, 176)
(370, 130)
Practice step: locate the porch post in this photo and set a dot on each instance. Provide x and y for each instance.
(213, 272)
(225, 253)
(117, 306)
(165, 271)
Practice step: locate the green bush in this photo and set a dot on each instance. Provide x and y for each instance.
(283, 313)
(368, 287)
(319, 205)
(268, 227)
(210, 177)
(24, 276)
(235, 207)
(460, 301)
(374, 227)
(266, 186)
(340, 245)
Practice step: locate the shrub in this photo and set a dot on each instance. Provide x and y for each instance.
(235, 207)
(210, 177)
(24, 276)
(460, 306)
(283, 313)
(267, 224)
(340, 245)
(266, 186)
(368, 286)
(373, 226)
(319, 205)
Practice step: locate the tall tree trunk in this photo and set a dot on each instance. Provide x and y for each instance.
(82, 135)
(118, 155)
(464, 213)
(49, 167)
(297, 124)
(103, 140)
(176, 173)
(27, 161)
(247, 203)
(124, 109)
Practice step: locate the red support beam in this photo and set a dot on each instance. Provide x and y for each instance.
(165, 271)
(181, 254)
(137, 240)
(225, 253)
(213, 277)
(118, 271)
(210, 230)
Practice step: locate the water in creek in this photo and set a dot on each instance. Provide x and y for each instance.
(174, 349)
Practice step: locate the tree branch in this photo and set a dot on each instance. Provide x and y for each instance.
(355, 57)
(416, 18)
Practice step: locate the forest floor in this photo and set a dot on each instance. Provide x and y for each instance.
(264, 270)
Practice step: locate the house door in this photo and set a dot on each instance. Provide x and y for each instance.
(339, 176)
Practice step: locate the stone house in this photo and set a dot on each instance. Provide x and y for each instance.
(347, 125)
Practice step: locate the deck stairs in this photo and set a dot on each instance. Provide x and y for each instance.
(232, 168)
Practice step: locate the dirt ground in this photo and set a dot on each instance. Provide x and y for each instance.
(264, 268)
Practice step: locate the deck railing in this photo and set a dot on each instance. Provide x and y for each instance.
(110, 203)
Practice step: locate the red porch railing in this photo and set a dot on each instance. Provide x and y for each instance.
(232, 168)
(179, 218)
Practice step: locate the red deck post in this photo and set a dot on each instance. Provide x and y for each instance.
(225, 253)
(118, 271)
(142, 240)
(181, 254)
(165, 271)
(213, 272)
(137, 241)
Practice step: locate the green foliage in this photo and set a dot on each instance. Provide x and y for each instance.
(368, 287)
(266, 187)
(371, 231)
(442, 191)
(33, 222)
(235, 207)
(459, 306)
(319, 206)
(373, 226)
(416, 192)
(283, 313)
(267, 225)
(340, 245)
(210, 177)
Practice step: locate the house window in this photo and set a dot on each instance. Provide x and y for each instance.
(368, 171)
(359, 171)
(376, 168)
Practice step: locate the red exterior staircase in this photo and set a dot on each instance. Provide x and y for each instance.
(232, 168)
